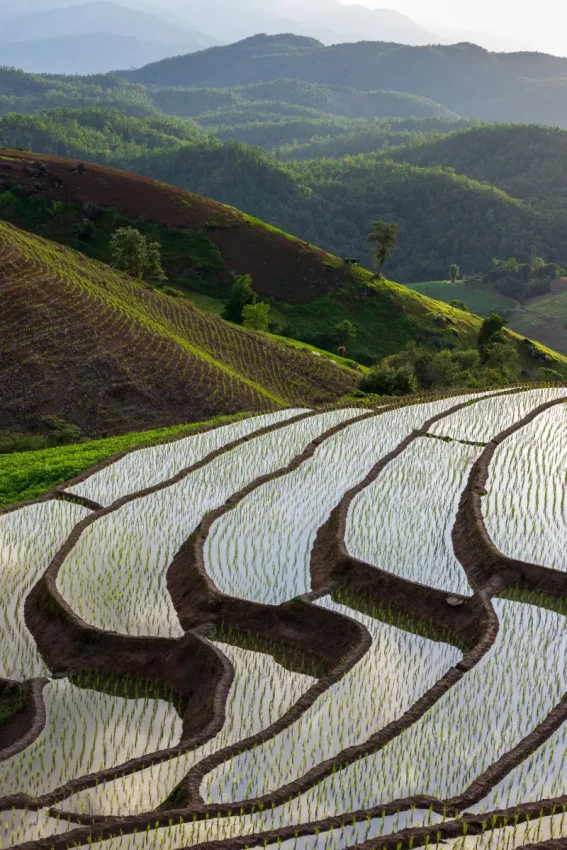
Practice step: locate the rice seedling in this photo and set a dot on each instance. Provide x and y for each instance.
(525, 508)
(179, 836)
(489, 711)
(399, 668)
(29, 538)
(146, 467)
(533, 831)
(115, 577)
(262, 691)
(403, 521)
(483, 421)
(18, 826)
(88, 730)
(261, 549)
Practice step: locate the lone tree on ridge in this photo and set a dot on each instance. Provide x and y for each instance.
(381, 242)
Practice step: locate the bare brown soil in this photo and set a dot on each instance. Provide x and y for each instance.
(270, 257)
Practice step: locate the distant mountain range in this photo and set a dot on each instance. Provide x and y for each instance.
(88, 53)
(465, 78)
(95, 17)
(327, 20)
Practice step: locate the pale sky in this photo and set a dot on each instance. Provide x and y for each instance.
(540, 25)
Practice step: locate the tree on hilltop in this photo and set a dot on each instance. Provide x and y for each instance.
(381, 242)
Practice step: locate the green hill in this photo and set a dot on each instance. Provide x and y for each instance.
(203, 244)
(444, 217)
(526, 161)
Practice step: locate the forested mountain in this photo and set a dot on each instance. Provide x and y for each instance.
(444, 217)
(24, 92)
(464, 77)
(329, 20)
(103, 135)
(528, 162)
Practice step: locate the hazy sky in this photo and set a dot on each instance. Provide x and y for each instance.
(540, 26)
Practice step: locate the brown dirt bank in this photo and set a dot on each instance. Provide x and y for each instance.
(26, 725)
(484, 564)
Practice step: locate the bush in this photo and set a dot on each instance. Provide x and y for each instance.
(60, 433)
(256, 316)
(384, 380)
(10, 443)
(173, 293)
(550, 375)
(460, 305)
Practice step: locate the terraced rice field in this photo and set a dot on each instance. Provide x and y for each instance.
(304, 630)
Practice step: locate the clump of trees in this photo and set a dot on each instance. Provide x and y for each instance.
(132, 253)
(519, 280)
(495, 361)
(256, 316)
(243, 307)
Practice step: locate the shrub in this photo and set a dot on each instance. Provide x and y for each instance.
(241, 294)
(256, 316)
(384, 380)
(60, 432)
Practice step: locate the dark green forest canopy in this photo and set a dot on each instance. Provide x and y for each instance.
(445, 217)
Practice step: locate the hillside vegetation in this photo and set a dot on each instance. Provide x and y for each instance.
(444, 217)
(110, 354)
(203, 245)
(526, 161)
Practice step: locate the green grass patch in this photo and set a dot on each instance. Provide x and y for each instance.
(550, 333)
(27, 475)
(205, 302)
(481, 303)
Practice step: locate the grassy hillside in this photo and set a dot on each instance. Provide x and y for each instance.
(203, 242)
(479, 302)
(108, 353)
(464, 78)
